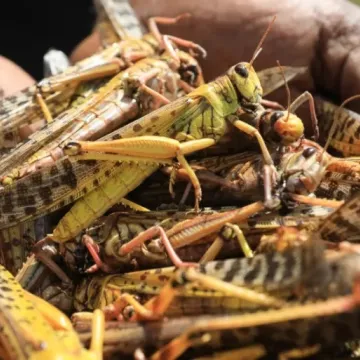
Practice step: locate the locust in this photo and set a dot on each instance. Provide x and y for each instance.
(113, 231)
(76, 185)
(264, 272)
(112, 106)
(300, 331)
(345, 122)
(303, 169)
(300, 174)
(33, 329)
(304, 174)
(98, 248)
(21, 110)
(120, 100)
(270, 272)
(189, 125)
(116, 21)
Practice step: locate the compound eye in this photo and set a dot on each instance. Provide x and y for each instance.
(308, 152)
(242, 70)
(276, 116)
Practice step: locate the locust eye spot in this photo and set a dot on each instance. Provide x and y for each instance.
(308, 152)
(275, 116)
(242, 70)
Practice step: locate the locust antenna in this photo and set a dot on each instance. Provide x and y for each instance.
(332, 129)
(258, 48)
(288, 94)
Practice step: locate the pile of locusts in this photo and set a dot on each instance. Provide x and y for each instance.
(128, 202)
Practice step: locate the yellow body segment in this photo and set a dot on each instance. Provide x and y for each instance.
(28, 334)
(200, 114)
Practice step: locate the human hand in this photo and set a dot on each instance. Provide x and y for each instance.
(323, 35)
(12, 78)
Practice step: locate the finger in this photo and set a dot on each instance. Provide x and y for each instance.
(230, 30)
(86, 48)
(336, 67)
(12, 77)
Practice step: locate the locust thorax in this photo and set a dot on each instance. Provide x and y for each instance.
(304, 170)
(246, 82)
(285, 127)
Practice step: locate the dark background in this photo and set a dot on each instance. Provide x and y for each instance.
(29, 28)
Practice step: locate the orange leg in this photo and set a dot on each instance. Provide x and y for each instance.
(148, 235)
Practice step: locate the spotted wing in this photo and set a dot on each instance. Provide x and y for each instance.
(271, 79)
(343, 224)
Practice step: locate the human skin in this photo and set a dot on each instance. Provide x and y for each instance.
(12, 77)
(323, 35)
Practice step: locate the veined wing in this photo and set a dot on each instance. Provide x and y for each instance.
(343, 223)
(346, 135)
(68, 180)
(117, 21)
(40, 138)
(21, 108)
(272, 78)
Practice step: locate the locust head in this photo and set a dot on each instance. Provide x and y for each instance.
(244, 77)
(286, 127)
(305, 169)
(246, 82)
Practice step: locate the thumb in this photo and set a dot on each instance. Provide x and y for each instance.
(336, 69)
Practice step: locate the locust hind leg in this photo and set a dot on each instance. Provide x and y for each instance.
(149, 149)
(136, 242)
(157, 306)
(202, 328)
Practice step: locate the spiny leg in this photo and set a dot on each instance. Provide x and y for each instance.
(153, 309)
(187, 44)
(148, 235)
(144, 149)
(155, 94)
(136, 242)
(133, 206)
(156, 307)
(179, 345)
